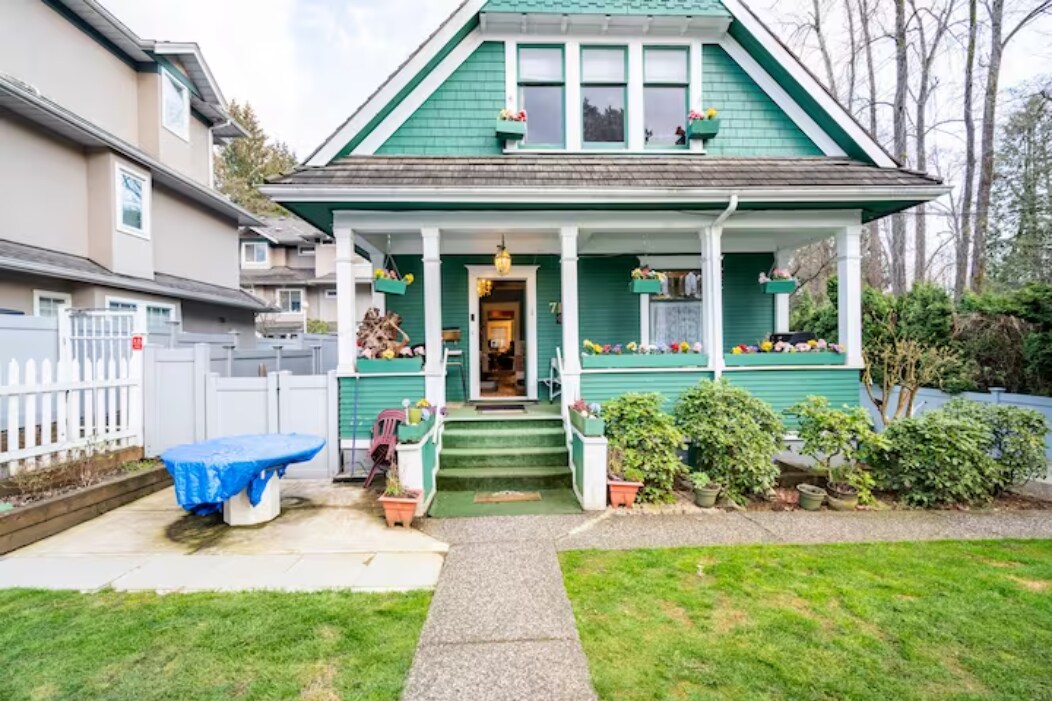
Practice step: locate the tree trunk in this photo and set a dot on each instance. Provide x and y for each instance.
(823, 47)
(964, 240)
(874, 251)
(898, 224)
(986, 159)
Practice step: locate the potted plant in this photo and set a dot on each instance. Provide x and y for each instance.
(703, 125)
(810, 496)
(419, 421)
(705, 490)
(644, 446)
(511, 126)
(399, 503)
(778, 282)
(586, 418)
(624, 482)
(646, 281)
(389, 282)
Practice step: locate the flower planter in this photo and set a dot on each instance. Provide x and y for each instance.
(811, 497)
(779, 287)
(414, 433)
(623, 493)
(388, 286)
(510, 130)
(703, 128)
(400, 510)
(646, 287)
(842, 499)
(589, 426)
(378, 366)
(807, 358)
(705, 497)
(645, 360)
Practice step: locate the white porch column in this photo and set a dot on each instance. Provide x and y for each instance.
(781, 302)
(849, 302)
(346, 333)
(571, 334)
(435, 380)
(712, 294)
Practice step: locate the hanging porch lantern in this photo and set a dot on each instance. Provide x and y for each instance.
(502, 261)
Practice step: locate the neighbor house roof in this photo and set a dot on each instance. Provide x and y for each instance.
(610, 7)
(276, 276)
(287, 231)
(39, 261)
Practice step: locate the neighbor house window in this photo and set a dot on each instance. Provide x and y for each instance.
(48, 303)
(542, 93)
(604, 94)
(254, 252)
(133, 202)
(666, 77)
(331, 294)
(305, 250)
(290, 300)
(158, 315)
(175, 104)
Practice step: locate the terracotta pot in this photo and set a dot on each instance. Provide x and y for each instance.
(400, 510)
(623, 493)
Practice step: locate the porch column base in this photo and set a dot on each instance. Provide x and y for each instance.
(590, 475)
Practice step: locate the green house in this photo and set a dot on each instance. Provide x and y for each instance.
(523, 248)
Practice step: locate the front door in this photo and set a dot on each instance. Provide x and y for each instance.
(503, 332)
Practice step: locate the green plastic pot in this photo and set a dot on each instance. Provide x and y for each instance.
(811, 497)
(705, 497)
(842, 500)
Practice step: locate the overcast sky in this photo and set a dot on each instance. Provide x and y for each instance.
(305, 65)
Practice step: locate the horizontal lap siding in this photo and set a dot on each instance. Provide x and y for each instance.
(748, 312)
(604, 386)
(609, 311)
(783, 388)
(375, 393)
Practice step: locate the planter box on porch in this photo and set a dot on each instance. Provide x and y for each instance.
(779, 287)
(414, 433)
(389, 287)
(644, 360)
(510, 130)
(588, 426)
(703, 128)
(379, 366)
(646, 287)
(809, 358)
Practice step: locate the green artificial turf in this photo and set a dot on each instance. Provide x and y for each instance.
(193, 647)
(946, 620)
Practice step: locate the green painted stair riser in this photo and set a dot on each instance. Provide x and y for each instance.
(500, 479)
(530, 438)
(488, 457)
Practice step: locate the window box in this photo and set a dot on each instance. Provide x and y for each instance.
(644, 360)
(761, 359)
(589, 426)
(379, 366)
(510, 130)
(779, 287)
(703, 128)
(414, 433)
(646, 287)
(388, 286)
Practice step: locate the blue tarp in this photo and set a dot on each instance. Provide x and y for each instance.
(207, 474)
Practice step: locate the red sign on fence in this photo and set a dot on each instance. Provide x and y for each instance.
(136, 343)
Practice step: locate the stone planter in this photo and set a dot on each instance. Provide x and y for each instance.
(646, 287)
(811, 497)
(705, 497)
(589, 426)
(379, 366)
(703, 128)
(388, 286)
(779, 287)
(400, 510)
(510, 130)
(623, 493)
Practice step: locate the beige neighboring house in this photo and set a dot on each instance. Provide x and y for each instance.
(106, 189)
(292, 265)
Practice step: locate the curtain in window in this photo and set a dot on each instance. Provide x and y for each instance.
(675, 321)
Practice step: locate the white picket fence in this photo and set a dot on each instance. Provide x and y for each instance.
(56, 411)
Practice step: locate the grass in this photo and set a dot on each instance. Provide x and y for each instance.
(198, 647)
(902, 621)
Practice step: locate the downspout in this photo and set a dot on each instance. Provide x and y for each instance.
(732, 207)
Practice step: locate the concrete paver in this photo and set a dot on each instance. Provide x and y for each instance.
(394, 571)
(76, 573)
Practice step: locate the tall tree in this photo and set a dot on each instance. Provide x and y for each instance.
(244, 164)
(898, 222)
(873, 259)
(964, 235)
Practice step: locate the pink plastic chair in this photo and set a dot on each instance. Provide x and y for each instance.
(385, 438)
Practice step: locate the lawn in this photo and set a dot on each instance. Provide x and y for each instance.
(197, 647)
(945, 620)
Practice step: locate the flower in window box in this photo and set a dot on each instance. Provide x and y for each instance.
(698, 348)
(821, 344)
(618, 349)
(632, 347)
(406, 352)
(703, 125)
(388, 354)
(766, 347)
(684, 347)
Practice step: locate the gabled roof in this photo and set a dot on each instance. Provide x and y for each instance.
(713, 8)
(287, 231)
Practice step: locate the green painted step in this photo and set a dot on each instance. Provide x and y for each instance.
(462, 504)
(497, 479)
(503, 457)
(502, 424)
(503, 438)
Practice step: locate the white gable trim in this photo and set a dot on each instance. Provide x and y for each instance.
(755, 27)
(427, 87)
(781, 98)
(332, 146)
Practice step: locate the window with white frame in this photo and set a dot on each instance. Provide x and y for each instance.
(677, 313)
(175, 105)
(48, 303)
(254, 252)
(542, 94)
(133, 202)
(666, 79)
(158, 315)
(290, 301)
(604, 96)
(305, 250)
(331, 294)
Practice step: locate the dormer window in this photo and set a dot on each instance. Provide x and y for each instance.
(604, 95)
(175, 105)
(542, 93)
(666, 86)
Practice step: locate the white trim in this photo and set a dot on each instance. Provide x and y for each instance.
(517, 272)
(781, 302)
(66, 298)
(644, 320)
(120, 168)
(636, 100)
(573, 134)
(211, 158)
(181, 130)
(346, 301)
(335, 143)
(809, 83)
(255, 264)
(434, 368)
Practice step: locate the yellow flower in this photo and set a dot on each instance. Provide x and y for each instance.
(423, 404)
(388, 354)
(812, 343)
(766, 346)
(736, 351)
(379, 274)
(711, 113)
(684, 347)
(408, 279)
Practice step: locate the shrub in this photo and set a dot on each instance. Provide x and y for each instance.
(1016, 439)
(735, 436)
(645, 441)
(937, 458)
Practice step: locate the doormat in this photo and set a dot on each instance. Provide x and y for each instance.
(501, 408)
(505, 497)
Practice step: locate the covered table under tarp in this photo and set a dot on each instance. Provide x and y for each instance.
(210, 473)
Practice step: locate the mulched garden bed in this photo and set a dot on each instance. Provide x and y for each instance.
(786, 500)
(47, 483)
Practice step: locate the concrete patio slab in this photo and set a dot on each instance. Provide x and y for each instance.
(394, 571)
(76, 573)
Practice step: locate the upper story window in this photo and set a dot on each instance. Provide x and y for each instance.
(604, 94)
(666, 80)
(175, 105)
(133, 202)
(290, 301)
(542, 93)
(254, 253)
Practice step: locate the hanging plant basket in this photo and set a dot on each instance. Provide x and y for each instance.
(779, 287)
(646, 287)
(703, 128)
(388, 286)
(511, 130)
